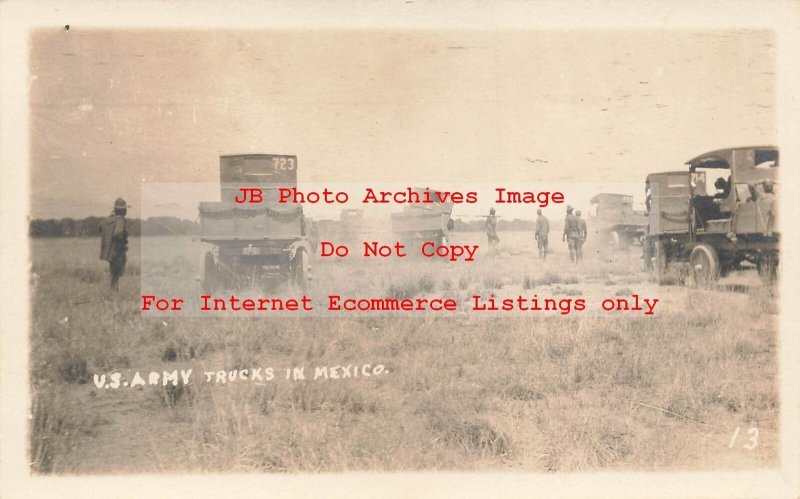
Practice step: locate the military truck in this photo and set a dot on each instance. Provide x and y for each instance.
(615, 221)
(419, 223)
(260, 244)
(350, 224)
(715, 231)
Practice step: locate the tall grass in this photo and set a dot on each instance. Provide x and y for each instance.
(540, 393)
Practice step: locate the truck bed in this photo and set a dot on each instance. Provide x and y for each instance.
(226, 221)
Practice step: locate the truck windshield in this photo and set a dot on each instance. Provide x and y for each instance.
(718, 184)
(678, 180)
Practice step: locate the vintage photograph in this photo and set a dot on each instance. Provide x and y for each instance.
(391, 249)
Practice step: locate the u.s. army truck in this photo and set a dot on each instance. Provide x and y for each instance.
(257, 244)
(615, 221)
(420, 223)
(716, 230)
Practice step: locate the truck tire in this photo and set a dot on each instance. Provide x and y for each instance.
(615, 240)
(647, 263)
(705, 265)
(210, 274)
(660, 262)
(767, 269)
(300, 269)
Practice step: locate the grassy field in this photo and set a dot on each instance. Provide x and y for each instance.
(536, 393)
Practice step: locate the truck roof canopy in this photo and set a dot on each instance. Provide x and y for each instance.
(721, 157)
(662, 174)
(606, 196)
(256, 155)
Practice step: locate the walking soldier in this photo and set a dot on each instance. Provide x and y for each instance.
(491, 228)
(542, 230)
(572, 234)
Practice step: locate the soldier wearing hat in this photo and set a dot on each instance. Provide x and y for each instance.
(114, 241)
(572, 234)
(723, 188)
(542, 230)
(491, 228)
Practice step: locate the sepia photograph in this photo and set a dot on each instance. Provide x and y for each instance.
(324, 248)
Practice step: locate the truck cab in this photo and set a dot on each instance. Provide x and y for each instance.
(717, 215)
(419, 223)
(615, 220)
(350, 223)
(736, 201)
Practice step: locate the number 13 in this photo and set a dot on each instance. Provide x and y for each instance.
(752, 433)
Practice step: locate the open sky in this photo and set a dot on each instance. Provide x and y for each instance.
(112, 109)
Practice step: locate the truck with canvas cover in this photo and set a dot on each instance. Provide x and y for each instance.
(259, 243)
(351, 224)
(718, 216)
(614, 220)
(423, 222)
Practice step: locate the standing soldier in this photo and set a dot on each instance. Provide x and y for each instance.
(491, 228)
(582, 238)
(114, 241)
(572, 234)
(767, 198)
(542, 230)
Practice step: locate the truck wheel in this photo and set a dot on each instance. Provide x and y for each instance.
(210, 275)
(647, 263)
(767, 269)
(300, 270)
(660, 262)
(614, 240)
(705, 265)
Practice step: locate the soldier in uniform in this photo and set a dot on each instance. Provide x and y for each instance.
(114, 241)
(491, 228)
(767, 199)
(572, 234)
(542, 230)
(582, 238)
(723, 188)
